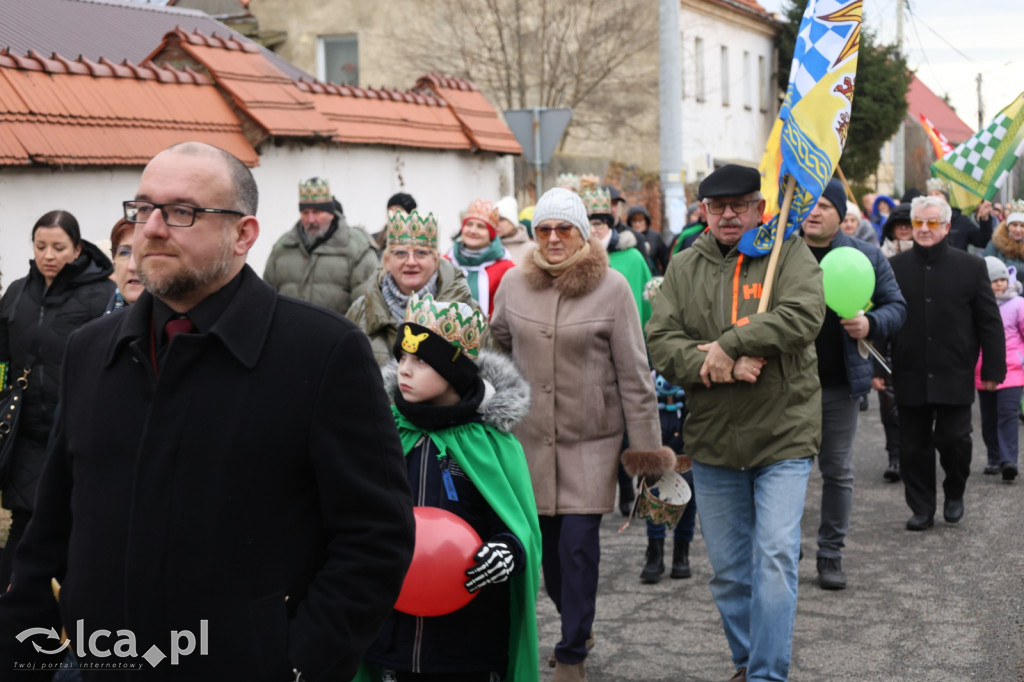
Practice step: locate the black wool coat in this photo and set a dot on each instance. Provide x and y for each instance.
(256, 484)
(951, 314)
(35, 323)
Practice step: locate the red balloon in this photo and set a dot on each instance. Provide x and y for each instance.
(436, 581)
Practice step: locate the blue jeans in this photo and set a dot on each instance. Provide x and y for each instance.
(750, 521)
(839, 414)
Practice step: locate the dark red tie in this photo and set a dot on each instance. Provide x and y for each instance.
(180, 325)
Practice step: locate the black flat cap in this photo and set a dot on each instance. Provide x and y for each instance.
(730, 181)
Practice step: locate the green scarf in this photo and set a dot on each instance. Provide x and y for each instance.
(472, 265)
(496, 464)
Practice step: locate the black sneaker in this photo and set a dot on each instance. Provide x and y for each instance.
(830, 573)
(1009, 472)
(992, 470)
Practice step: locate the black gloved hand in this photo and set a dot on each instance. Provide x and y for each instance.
(494, 564)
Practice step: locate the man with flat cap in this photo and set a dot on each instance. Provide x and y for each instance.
(752, 389)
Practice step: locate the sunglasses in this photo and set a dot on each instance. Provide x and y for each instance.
(932, 223)
(544, 231)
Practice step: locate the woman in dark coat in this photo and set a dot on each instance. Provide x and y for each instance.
(67, 285)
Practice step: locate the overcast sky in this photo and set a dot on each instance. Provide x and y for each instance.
(949, 42)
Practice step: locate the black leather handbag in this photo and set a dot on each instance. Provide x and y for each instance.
(11, 405)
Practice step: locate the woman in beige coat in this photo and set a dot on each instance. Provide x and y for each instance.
(571, 325)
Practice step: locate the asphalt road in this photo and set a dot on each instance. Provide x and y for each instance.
(944, 604)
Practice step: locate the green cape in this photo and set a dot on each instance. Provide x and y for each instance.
(496, 464)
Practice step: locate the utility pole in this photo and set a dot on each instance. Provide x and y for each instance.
(981, 106)
(670, 120)
(899, 175)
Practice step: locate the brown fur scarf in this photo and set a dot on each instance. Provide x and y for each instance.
(577, 281)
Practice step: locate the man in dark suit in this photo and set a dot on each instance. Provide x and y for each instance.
(951, 314)
(225, 495)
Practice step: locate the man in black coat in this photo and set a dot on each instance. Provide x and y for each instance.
(225, 496)
(951, 314)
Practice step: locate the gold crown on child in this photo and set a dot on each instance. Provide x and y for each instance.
(457, 323)
(412, 230)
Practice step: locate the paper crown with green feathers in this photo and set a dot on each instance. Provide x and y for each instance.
(315, 193)
(412, 230)
(457, 323)
(597, 200)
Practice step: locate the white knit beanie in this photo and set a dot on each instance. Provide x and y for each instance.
(508, 208)
(996, 269)
(562, 204)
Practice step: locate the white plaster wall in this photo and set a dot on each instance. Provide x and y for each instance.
(362, 178)
(712, 130)
(93, 196)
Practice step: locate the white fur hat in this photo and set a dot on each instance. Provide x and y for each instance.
(562, 204)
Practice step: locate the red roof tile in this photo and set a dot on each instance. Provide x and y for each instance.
(57, 111)
(921, 100)
(255, 86)
(480, 122)
(223, 91)
(746, 7)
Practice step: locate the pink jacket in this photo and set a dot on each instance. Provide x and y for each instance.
(1012, 311)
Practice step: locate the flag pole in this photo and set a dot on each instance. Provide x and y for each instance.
(846, 185)
(780, 232)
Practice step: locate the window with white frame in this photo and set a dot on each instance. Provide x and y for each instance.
(698, 66)
(725, 75)
(748, 83)
(762, 84)
(338, 59)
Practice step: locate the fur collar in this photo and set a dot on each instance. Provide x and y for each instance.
(507, 398)
(1005, 244)
(576, 282)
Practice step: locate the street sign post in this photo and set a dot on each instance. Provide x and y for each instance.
(538, 130)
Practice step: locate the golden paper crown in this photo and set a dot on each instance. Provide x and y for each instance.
(597, 200)
(569, 181)
(1015, 206)
(589, 181)
(412, 229)
(482, 210)
(652, 289)
(315, 191)
(457, 323)
(936, 184)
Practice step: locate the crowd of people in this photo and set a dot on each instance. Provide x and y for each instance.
(204, 450)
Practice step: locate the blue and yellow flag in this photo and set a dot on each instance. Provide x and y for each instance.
(809, 135)
(979, 166)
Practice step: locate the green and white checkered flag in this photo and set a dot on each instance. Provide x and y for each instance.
(979, 166)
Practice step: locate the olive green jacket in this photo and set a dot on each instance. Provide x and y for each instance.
(707, 297)
(332, 276)
(371, 313)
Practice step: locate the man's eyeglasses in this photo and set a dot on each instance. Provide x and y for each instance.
(544, 231)
(932, 223)
(738, 207)
(418, 254)
(123, 251)
(175, 215)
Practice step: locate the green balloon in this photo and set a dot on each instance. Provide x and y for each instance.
(849, 281)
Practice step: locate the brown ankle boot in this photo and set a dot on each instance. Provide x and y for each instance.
(569, 672)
